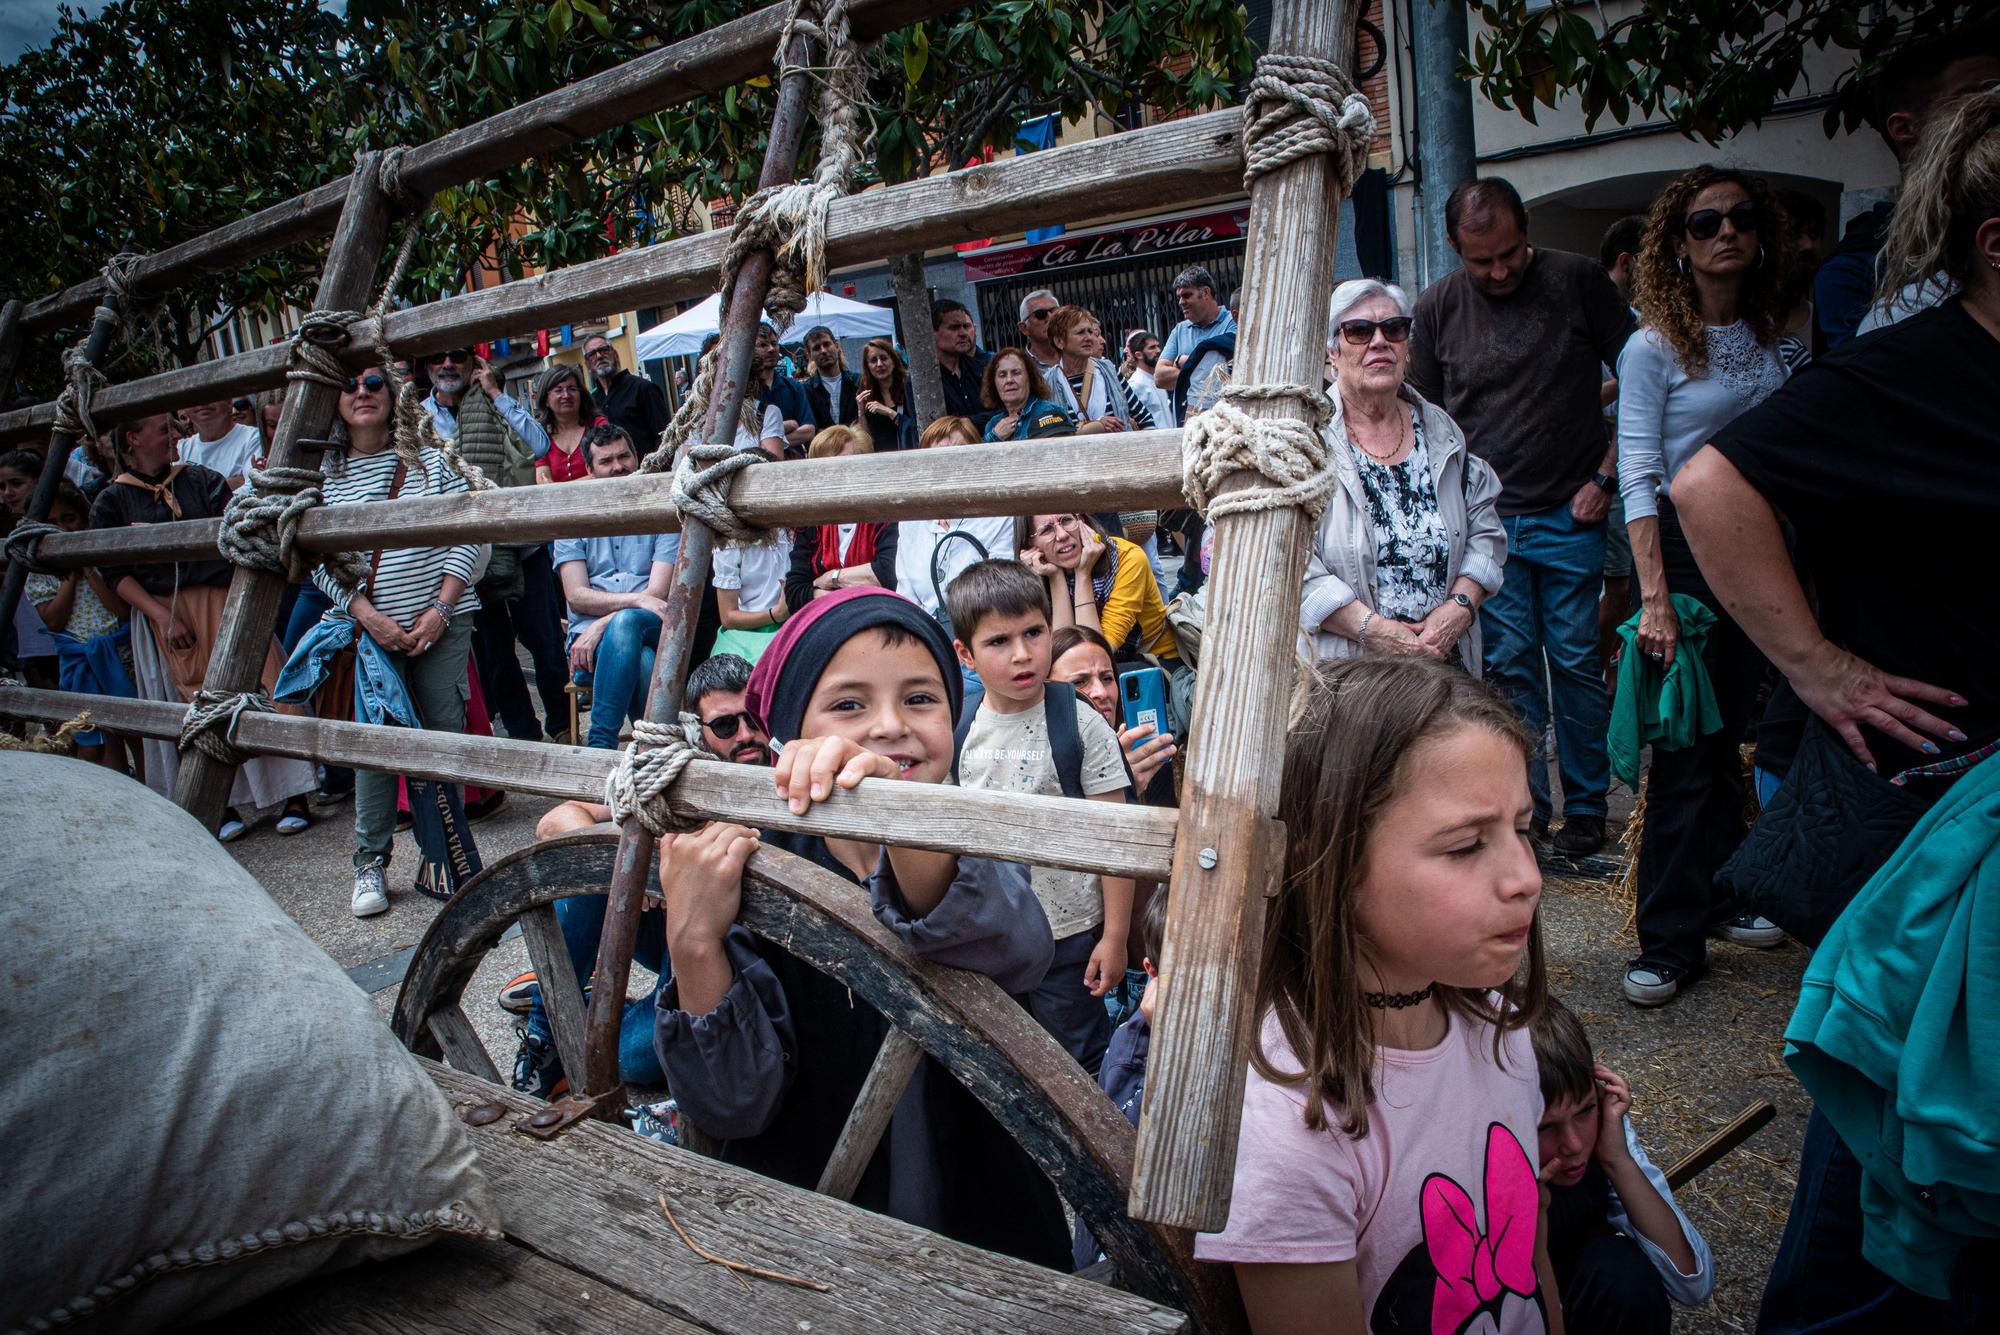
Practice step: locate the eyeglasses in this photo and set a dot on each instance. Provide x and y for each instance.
(1050, 529)
(725, 725)
(602, 350)
(453, 355)
(1703, 224)
(1361, 333)
(371, 383)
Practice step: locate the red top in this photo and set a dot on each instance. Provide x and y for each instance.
(569, 465)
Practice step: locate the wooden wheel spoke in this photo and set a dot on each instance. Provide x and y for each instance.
(460, 1042)
(887, 1078)
(562, 994)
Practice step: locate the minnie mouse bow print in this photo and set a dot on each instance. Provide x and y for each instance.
(1476, 1272)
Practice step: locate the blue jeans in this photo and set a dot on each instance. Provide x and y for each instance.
(582, 922)
(1821, 1282)
(1541, 636)
(623, 673)
(307, 608)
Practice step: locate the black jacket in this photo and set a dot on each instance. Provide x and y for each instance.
(824, 410)
(636, 406)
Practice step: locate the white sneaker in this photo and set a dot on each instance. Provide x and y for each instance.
(371, 891)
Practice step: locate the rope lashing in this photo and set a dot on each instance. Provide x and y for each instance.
(81, 383)
(260, 528)
(637, 786)
(58, 743)
(1301, 105)
(211, 722)
(689, 418)
(315, 348)
(1287, 453)
(24, 544)
(701, 489)
(791, 220)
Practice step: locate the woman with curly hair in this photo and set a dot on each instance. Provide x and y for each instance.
(1710, 288)
(884, 397)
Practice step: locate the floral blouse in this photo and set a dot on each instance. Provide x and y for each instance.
(1412, 547)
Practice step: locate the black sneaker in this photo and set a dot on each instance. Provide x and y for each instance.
(1580, 836)
(1538, 829)
(538, 1068)
(1657, 984)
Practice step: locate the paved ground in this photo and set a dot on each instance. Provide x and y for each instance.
(1692, 1065)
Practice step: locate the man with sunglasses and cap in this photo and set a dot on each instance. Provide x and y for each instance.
(715, 696)
(1513, 345)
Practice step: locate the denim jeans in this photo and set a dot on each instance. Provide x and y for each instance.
(1821, 1282)
(1541, 637)
(582, 922)
(439, 687)
(622, 674)
(307, 609)
(536, 621)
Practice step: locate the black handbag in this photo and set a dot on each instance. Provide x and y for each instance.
(1828, 828)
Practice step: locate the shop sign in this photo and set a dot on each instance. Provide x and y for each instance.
(1128, 241)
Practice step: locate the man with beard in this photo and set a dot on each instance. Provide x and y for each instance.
(783, 393)
(728, 732)
(517, 596)
(961, 365)
(1143, 348)
(626, 399)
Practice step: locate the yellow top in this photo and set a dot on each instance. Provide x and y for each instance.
(1135, 600)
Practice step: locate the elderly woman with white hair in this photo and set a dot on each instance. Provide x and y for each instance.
(1411, 541)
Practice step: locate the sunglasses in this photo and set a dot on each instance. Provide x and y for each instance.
(1041, 315)
(726, 725)
(1703, 224)
(371, 383)
(454, 355)
(1361, 333)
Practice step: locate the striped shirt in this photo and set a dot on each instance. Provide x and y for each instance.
(408, 578)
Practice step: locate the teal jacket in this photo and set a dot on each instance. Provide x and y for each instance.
(1897, 1037)
(1668, 707)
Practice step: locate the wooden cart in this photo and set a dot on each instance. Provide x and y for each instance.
(579, 1192)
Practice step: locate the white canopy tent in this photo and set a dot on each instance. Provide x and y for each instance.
(682, 336)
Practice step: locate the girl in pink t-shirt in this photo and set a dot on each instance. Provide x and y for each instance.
(1385, 1178)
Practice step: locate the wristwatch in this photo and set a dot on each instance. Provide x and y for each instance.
(1605, 481)
(1462, 601)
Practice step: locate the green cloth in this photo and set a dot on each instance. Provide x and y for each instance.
(1897, 1037)
(1667, 707)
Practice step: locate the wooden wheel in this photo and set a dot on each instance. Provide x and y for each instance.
(988, 1043)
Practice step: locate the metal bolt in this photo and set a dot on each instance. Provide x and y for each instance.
(1206, 858)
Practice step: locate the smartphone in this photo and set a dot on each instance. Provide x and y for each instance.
(1142, 693)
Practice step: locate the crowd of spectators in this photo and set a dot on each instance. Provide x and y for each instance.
(1704, 415)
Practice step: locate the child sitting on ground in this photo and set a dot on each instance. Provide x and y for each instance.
(1031, 736)
(1384, 1180)
(768, 1054)
(1620, 1245)
(1123, 1076)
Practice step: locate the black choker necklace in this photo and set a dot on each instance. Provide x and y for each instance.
(1396, 1001)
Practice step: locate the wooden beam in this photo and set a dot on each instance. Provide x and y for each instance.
(250, 614)
(1182, 159)
(888, 1076)
(10, 344)
(1136, 470)
(1230, 851)
(1047, 831)
(696, 66)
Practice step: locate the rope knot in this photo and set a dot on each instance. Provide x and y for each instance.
(260, 528)
(701, 488)
(24, 544)
(1301, 105)
(1287, 453)
(637, 786)
(211, 722)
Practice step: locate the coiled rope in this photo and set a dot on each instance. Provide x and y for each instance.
(212, 717)
(636, 788)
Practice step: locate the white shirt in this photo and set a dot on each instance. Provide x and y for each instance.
(1913, 299)
(917, 539)
(832, 384)
(1157, 400)
(229, 456)
(1664, 415)
(756, 571)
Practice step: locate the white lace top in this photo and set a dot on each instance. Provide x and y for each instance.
(1666, 415)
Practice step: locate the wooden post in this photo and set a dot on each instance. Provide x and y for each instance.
(913, 304)
(251, 613)
(1228, 853)
(10, 343)
(60, 444)
(604, 1087)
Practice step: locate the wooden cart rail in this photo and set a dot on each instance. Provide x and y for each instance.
(1200, 155)
(1097, 837)
(1129, 471)
(706, 62)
